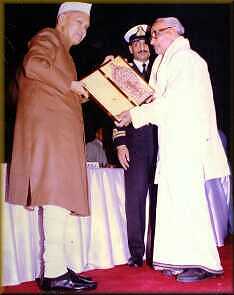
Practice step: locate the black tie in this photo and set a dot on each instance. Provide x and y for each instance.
(144, 70)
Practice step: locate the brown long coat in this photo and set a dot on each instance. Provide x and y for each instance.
(49, 153)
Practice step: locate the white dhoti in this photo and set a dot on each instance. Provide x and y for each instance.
(184, 235)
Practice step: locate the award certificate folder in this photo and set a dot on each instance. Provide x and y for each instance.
(117, 87)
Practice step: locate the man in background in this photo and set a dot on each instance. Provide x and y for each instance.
(137, 152)
(95, 151)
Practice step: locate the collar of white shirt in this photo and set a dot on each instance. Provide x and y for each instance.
(139, 64)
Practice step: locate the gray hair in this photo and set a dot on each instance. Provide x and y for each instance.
(172, 22)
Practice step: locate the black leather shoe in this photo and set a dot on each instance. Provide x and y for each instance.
(81, 279)
(194, 275)
(135, 262)
(64, 282)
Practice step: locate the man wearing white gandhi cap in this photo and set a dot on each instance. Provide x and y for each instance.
(40, 174)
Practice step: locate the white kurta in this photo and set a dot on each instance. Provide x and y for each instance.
(190, 152)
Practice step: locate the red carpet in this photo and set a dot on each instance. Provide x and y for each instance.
(123, 279)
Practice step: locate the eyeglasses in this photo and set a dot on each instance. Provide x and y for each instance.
(157, 33)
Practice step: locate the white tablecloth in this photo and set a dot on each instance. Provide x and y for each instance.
(102, 236)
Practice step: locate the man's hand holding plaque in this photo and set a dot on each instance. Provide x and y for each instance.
(78, 87)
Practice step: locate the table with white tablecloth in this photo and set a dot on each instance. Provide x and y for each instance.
(102, 236)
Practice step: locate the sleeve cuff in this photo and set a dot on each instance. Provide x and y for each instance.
(139, 117)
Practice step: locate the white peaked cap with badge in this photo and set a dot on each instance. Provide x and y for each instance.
(74, 6)
(136, 31)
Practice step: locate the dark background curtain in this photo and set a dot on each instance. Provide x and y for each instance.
(207, 26)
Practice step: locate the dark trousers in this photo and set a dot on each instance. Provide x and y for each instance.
(139, 178)
(151, 223)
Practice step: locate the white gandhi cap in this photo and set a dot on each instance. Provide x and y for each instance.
(74, 6)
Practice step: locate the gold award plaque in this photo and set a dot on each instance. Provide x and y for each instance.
(116, 87)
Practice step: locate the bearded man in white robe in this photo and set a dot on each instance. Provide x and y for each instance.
(191, 155)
